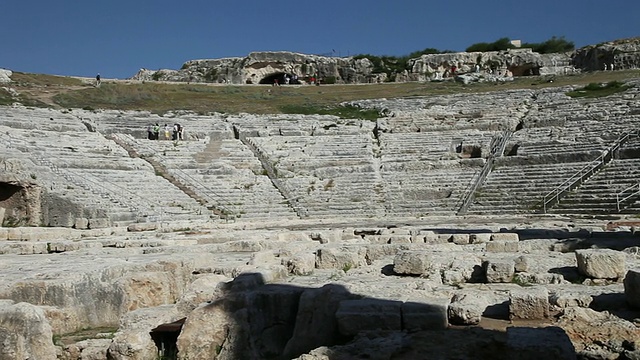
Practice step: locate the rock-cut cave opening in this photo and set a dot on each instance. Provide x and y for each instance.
(165, 337)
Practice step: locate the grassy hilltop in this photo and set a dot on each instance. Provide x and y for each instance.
(67, 92)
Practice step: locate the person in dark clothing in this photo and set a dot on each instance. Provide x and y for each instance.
(156, 131)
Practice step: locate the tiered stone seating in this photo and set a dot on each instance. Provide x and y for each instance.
(515, 188)
(224, 173)
(19, 117)
(328, 176)
(435, 191)
(486, 112)
(296, 125)
(422, 173)
(438, 145)
(96, 173)
(598, 194)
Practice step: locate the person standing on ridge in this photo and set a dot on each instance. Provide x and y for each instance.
(98, 80)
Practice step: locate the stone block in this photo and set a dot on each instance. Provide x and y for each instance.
(523, 264)
(444, 238)
(601, 263)
(460, 239)
(81, 223)
(505, 237)
(499, 271)
(2, 212)
(399, 239)
(26, 333)
(375, 239)
(502, 246)
(24, 248)
(412, 262)
(340, 258)
(538, 278)
(528, 343)
(530, 303)
(146, 226)
(354, 316)
(425, 314)
(467, 308)
(42, 234)
(433, 238)
(632, 287)
(99, 223)
(479, 238)
(467, 266)
(565, 299)
(301, 264)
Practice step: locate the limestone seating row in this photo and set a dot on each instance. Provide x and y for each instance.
(427, 145)
(153, 194)
(242, 192)
(355, 191)
(598, 194)
(71, 184)
(354, 194)
(556, 147)
(341, 180)
(119, 183)
(315, 204)
(294, 125)
(520, 188)
(236, 190)
(19, 117)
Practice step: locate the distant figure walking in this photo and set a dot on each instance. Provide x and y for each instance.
(98, 80)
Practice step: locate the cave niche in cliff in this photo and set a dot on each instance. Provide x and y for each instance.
(14, 200)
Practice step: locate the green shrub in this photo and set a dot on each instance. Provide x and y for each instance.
(595, 90)
(551, 46)
(498, 45)
(329, 80)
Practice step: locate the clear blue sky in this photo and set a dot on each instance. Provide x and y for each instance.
(118, 37)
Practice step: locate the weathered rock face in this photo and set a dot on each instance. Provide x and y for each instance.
(23, 201)
(265, 68)
(5, 76)
(25, 332)
(613, 55)
(268, 67)
(601, 263)
(600, 335)
(518, 61)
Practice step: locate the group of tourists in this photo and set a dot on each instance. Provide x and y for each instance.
(175, 132)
